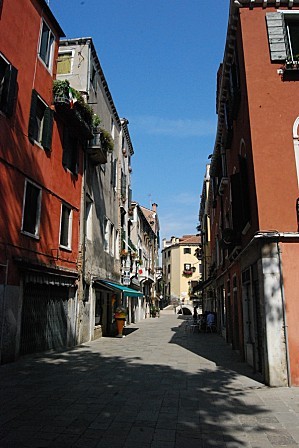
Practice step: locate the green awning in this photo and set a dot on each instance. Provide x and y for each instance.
(128, 292)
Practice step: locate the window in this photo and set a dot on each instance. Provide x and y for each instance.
(113, 172)
(46, 45)
(116, 251)
(241, 214)
(283, 34)
(40, 122)
(187, 250)
(65, 226)
(89, 219)
(70, 151)
(168, 269)
(106, 235)
(187, 267)
(31, 209)
(123, 185)
(111, 239)
(93, 78)
(8, 84)
(64, 63)
(112, 128)
(98, 311)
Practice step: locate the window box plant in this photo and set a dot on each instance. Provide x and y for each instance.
(70, 104)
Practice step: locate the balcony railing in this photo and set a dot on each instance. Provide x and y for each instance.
(95, 150)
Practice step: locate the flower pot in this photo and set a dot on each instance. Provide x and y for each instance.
(120, 326)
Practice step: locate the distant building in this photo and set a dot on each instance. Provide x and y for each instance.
(182, 270)
(144, 239)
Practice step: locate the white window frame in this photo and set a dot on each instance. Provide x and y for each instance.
(116, 247)
(112, 128)
(111, 239)
(70, 226)
(106, 234)
(50, 46)
(89, 213)
(39, 139)
(38, 210)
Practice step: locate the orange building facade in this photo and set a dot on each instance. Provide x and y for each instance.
(41, 180)
(253, 194)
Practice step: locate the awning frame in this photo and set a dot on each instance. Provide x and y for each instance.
(127, 292)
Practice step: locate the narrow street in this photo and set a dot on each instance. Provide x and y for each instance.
(159, 387)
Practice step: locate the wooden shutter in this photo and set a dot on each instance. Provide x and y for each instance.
(47, 129)
(235, 181)
(114, 172)
(278, 42)
(245, 190)
(129, 197)
(32, 117)
(9, 90)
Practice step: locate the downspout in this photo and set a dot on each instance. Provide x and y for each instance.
(5, 266)
(285, 326)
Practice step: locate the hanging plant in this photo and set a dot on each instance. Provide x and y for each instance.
(106, 140)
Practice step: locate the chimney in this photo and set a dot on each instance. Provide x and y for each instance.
(154, 207)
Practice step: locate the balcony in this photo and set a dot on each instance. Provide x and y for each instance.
(97, 154)
(71, 107)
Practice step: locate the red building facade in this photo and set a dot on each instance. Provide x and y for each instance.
(254, 188)
(41, 163)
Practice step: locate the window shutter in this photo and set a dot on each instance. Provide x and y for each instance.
(129, 197)
(245, 190)
(47, 129)
(235, 181)
(65, 144)
(9, 90)
(278, 43)
(114, 172)
(32, 117)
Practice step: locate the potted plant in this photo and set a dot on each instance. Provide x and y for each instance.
(120, 317)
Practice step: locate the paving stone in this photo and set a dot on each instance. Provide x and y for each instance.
(169, 390)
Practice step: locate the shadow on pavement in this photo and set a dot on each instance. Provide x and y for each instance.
(82, 398)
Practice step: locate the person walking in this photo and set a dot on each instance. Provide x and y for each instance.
(195, 315)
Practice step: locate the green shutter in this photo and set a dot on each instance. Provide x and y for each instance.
(9, 90)
(114, 172)
(47, 129)
(65, 145)
(278, 42)
(32, 117)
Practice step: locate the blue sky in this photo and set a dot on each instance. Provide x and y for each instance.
(160, 59)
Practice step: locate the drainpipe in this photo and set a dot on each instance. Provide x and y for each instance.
(285, 327)
(5, 266)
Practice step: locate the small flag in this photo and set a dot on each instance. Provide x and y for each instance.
(72, 98)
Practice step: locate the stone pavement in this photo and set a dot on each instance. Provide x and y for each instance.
(159, 387)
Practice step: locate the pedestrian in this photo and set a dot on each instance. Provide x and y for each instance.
(195, 314)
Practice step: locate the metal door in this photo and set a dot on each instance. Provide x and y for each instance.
(44, 318)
